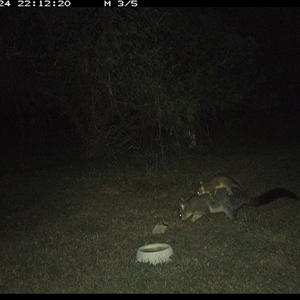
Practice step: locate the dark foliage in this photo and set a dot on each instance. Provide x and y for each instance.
(134, 78)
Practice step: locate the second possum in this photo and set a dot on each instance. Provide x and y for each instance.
(217, 182)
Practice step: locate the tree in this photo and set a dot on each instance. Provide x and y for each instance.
(141, 77)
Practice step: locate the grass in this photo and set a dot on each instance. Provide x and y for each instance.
(76, 227)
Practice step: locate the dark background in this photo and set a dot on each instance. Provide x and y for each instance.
(65, 73)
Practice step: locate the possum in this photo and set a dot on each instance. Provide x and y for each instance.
(198, 206)
(211, 186)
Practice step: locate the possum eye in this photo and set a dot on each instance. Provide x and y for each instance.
(179, 214)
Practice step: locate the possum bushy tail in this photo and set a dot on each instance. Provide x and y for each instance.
(270, 196)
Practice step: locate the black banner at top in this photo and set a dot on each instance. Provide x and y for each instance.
(133, 3)
(90, 3)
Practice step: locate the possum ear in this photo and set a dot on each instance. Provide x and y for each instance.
(182, 205)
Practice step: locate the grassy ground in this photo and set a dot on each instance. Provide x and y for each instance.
(76, 227)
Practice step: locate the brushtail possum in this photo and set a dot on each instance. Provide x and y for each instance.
(217, 182)
(197, 206)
